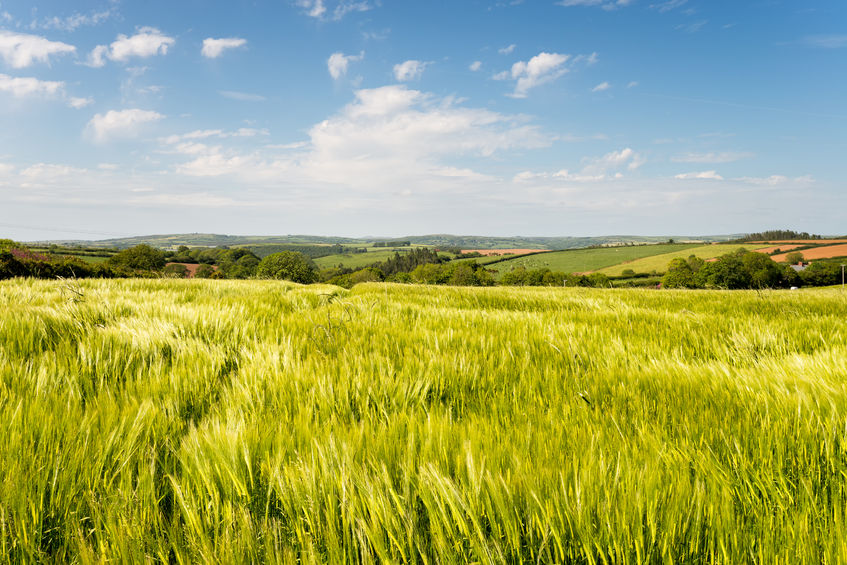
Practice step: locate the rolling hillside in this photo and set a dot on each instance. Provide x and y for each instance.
(584, 260)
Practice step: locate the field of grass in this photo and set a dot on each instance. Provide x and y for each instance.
(249, 421)
(659, 263)
(583, 260)
(359, 260)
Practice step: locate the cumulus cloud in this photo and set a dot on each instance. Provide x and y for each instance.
(508, 50)
(338, 62)
(147, 42)
(601, 87)
(20, 50)
(387, 137)
(214, 48)
(120, 123)
(594, 169)
(702, 175)
(541, 69)
(78, 102)
(30, 87)
(475, 66)
(409, 70)
(23, 87)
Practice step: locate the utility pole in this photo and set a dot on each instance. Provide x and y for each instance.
(842, 277)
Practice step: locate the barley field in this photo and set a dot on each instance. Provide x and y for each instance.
(245, 421)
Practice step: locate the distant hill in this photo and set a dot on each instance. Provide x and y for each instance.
(436, 240)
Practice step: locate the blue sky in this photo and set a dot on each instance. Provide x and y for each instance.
(390, 118)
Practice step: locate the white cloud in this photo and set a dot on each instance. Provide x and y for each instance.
(76, 102)
(213, 48)
(241, 96)
(712, 158)
(213, 133)
(20, 50)
(475, 66)
(409, 70)
(147, 42)
(605, 4)
(542, 68)
(601, 87)
(594, 169)
(345, 8)
(48, 171)
(77, 20)
(632, 84)
(825, 41)
(668, 5)
(387, 137)
(702, 175)
(338, 62)
(120, 123)
(24, 87)
(508, 50)
(776, 180)
(317, 8)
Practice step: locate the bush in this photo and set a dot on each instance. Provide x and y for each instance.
(288, 265)
(141, 257)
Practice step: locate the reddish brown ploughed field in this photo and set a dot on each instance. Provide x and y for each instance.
(487, 252)
(783, 248)
(192, 268)
(818, 253)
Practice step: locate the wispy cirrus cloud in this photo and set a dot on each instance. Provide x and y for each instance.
(825, 41)
(75, 20)
(607, 5)
(241, 96)
(723, 157)
(318, 9)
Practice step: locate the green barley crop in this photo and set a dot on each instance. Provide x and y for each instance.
(218, 421)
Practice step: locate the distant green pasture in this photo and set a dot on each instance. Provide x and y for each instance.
(582, 260)
(659, 263)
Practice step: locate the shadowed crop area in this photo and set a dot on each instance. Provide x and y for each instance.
(237, 421)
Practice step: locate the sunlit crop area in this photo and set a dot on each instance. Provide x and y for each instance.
(237, 421)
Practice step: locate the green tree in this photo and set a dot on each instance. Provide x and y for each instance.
(141, 257)
(368, 274)
(794, 258)
(288, 265)
(204, 271)
(679, 275)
